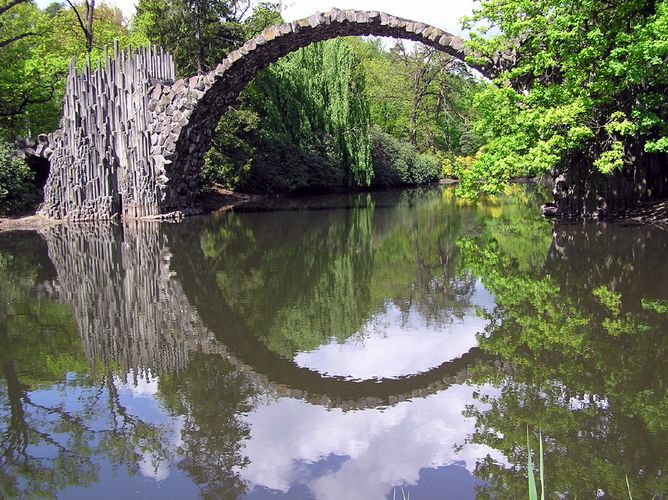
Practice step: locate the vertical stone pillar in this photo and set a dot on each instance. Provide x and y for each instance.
(101, 166)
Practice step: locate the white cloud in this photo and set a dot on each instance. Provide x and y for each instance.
(381, 448)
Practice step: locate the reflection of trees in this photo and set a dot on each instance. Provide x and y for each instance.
(46, 447)
(587, 342)
(416, 259)
(297, 277)
(302, 276)
(211, 395)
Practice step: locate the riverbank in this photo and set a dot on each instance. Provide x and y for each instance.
(219, 199)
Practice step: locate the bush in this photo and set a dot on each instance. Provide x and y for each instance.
(453, 167)
(426, 169)
(16, 189)
(231, 154)
(280, 167)
(397, 163)
(245, 158)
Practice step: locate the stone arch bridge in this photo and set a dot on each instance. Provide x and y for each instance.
(132, 139)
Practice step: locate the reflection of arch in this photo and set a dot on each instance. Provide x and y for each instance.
(232, 339)
(188, 110)
(283, 377)
(142, 305)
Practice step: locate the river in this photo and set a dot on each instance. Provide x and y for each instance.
(361, 346)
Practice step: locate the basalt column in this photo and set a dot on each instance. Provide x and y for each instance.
(101, 166)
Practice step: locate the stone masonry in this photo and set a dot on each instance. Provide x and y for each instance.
(132, 140)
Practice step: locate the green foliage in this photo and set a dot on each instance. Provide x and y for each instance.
(231, 155)
(420, 95)
(397, 163)
(302, 124)
(33, 69)
(197, 33)
(588, 85)
(16, 189)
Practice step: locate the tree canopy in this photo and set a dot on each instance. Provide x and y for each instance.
(588, 83)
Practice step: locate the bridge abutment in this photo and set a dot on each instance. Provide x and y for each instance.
(102, 166)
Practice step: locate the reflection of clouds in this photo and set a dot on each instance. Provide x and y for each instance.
(139, 395)
(383, 448)
(152, 467)
(139, 385)
(394, 344)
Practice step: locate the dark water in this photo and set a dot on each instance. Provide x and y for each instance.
(335, 347)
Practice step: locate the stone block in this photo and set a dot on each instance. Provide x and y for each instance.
(233, 56)
(313, 21)
(445, 40)
(456, 43)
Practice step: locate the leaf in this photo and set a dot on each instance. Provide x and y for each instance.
(533, 493)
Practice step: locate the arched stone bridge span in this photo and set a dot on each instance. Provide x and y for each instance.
(132, 140)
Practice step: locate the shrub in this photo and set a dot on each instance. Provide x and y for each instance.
(453, 167)
(16, 189)
(231, 154)
(280, 167)
(397, 163)
(426, 169)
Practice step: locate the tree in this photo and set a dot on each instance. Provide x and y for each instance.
(198, 33)
(15, 37)
(20, 21)
(85, 21)
(420, 95)
(33, 68)
(585, 86)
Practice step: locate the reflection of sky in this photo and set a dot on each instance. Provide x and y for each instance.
(375, 449)
(301, 450)
(394, 344)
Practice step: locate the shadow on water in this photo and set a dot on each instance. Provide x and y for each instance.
(221, 321)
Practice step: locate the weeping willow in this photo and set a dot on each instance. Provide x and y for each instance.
(316, 98)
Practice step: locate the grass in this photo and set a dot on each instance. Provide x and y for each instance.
(533, 491)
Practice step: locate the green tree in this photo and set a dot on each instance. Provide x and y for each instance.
(584, 86)
(34, 66)
(16, 189)
(198, 33)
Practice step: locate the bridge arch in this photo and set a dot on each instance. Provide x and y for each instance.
(132, 140)
(185, 113)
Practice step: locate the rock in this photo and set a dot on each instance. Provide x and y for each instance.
(549, 210)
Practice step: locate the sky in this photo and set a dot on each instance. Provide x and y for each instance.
(444, 14)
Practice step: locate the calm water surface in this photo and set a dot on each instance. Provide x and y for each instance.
(335, 347)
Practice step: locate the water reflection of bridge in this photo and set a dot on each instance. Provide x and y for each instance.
(135, 311)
